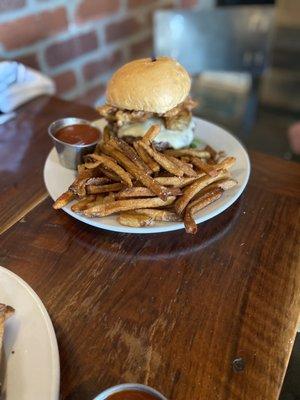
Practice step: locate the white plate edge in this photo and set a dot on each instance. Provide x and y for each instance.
(53, 340)
(176, 225)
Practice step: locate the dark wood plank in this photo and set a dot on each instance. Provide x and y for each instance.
(172, 310)
(24, 145)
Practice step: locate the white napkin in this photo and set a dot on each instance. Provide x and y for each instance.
(19, 84)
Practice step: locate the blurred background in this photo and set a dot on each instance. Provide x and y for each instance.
(243, 55)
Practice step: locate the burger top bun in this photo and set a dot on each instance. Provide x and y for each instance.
(154, 85)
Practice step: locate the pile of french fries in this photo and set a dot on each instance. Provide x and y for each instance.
(143, 185)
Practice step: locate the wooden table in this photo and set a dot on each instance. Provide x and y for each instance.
(211, 316)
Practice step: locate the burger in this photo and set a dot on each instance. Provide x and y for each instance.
(146, 92)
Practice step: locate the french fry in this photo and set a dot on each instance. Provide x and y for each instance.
(145, 157)
(105, 209)
(97, 181)
(135, 220)
(189, 223)
(191, 190)
(106, 134)
(63, 200)
(144, 192)
(151, 134)
(110, 174)
(162, 160)
(175, 180)
(159, 215)
(185, 167)
(139, 174)
(226, 163)
(219, 156)
(185, 159)
(206, 198)
(130, 152)
(109, 198)
(79, 189)
(209, 169)
(92, 165)
(82, 204)
(78, 186)
(144, 185)
(224, 184)
(99, 200)
(111, 187)
(139, 191)
(188, 152)
(197, 205)
(102, 198)
(211, 151)
(112, 165)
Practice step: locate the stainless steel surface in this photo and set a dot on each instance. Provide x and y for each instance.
(129, 386)
(70, 155)
(228, 39)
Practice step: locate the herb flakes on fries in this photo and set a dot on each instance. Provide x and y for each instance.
(145, 186)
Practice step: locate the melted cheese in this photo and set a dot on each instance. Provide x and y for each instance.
(176, 139)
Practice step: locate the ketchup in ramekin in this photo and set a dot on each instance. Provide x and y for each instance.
(78, 134)
(73, 138)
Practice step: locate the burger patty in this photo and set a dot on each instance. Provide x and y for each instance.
(178, 118)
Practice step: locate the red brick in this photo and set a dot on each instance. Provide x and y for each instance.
(63, 51)
(92, 95)
(32, 28)
(188, 3)
(97, 67)
(144, 48)
(93, 9)
(122, 29)
(7, 5)
(141, 3)
(65, 81)
(29, 59)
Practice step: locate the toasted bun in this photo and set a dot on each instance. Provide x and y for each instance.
(149, 85)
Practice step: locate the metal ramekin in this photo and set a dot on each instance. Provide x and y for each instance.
(70, 155)
(129, 386)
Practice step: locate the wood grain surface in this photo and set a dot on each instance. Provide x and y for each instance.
(24, 146)
(210, 316)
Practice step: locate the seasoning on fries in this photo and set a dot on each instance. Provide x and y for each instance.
(124, 179)
(197, 205)
(134, 219)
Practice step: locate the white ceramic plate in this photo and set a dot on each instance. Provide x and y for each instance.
(58, 178)
(29, 368)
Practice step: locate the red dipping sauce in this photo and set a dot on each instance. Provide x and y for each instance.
(132, 395)
(78, 134)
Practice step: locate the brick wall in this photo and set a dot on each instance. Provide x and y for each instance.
(79, 42)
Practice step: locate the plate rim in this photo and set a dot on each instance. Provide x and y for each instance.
(55, 387)
(175, 225)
